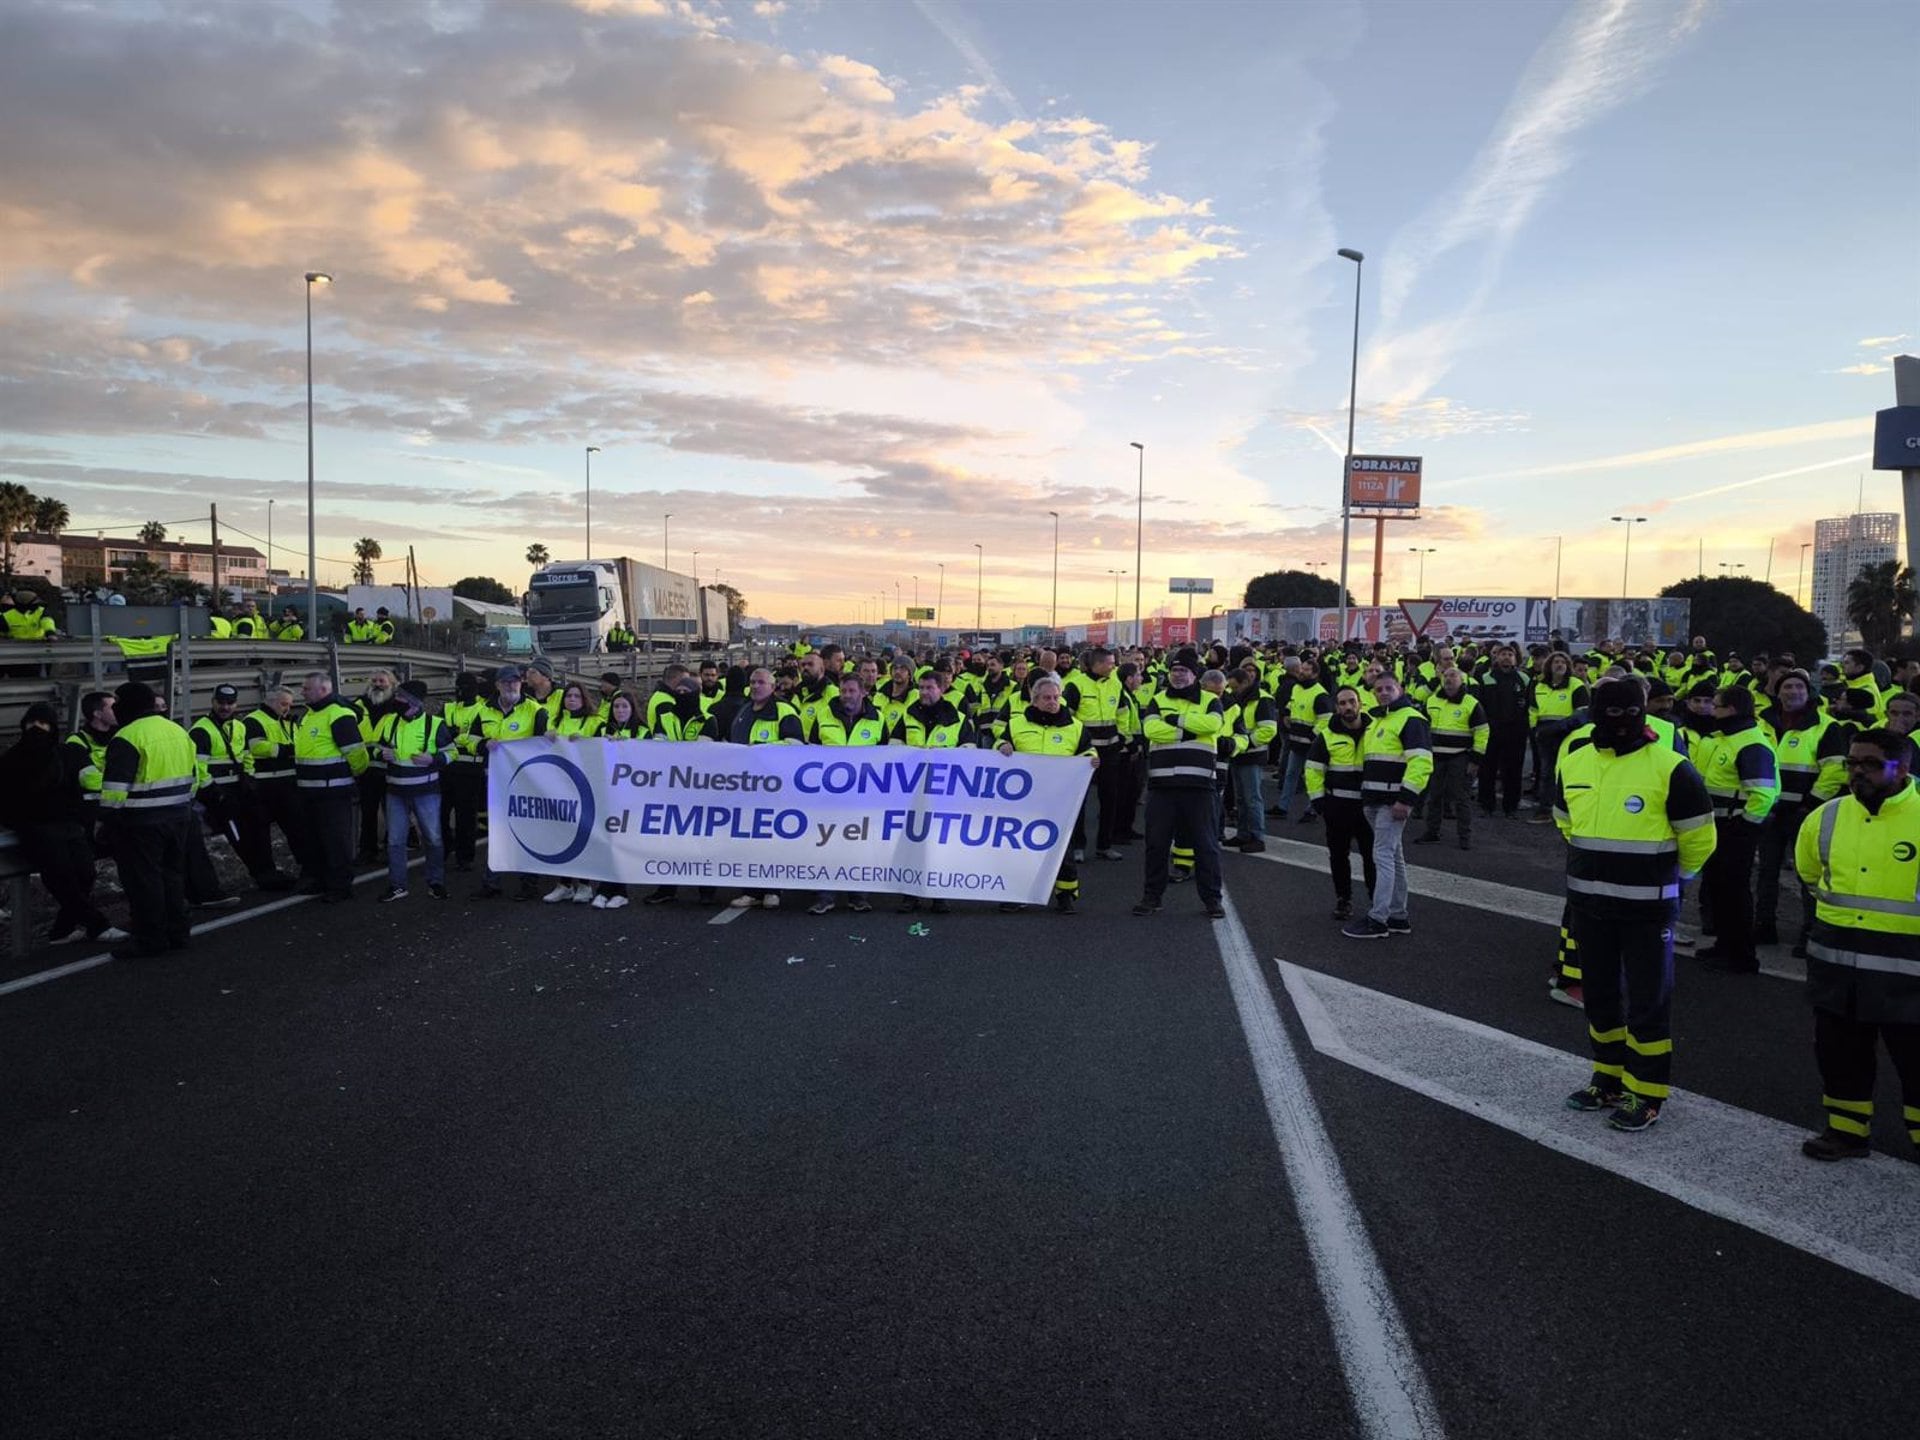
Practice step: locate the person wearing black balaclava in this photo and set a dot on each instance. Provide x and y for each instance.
(1638, 821)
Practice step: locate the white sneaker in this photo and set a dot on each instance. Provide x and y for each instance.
(613, 902)
(111, 935)
(743, 902)
(769, 902)
(599, 902)
(557, 894)
(582, 894)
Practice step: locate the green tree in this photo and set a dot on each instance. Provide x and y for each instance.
(1750, 618)
(484, 588)
(1291, 589)
(153, 533)
(366, 550)
(1880, 602)
(736, 604)
(144, 582)
(16, 514)
(50, 516)
(537, 555)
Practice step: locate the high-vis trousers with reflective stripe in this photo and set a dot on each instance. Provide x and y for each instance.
(1626, 963)
(1569, 949)
(1845, 1050)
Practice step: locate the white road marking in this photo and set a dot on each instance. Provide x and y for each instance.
(1715, 1157)
(1515, 900)
(285, 902)
(727, 916)
(1389, 1390)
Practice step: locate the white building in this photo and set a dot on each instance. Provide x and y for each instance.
(1842, 548)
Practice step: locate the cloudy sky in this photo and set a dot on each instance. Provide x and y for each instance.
(849, 288)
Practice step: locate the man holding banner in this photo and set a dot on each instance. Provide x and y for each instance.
(1044, 727)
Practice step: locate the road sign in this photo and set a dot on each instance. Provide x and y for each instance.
(1190, 585)
(1383, 482)
(1418, 613)
(920, 612)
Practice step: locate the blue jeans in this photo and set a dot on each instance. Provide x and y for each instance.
(1247, 799)
(423, 805)
(1389, 864)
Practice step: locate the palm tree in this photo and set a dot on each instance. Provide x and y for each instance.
(366, 550)
(153, 533)
(536, 555)
(16, 514)
(1880, 601)
(50, 516)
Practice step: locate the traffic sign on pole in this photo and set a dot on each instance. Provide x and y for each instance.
(1419, 613)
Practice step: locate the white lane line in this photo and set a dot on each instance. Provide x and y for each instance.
(728, 916)
(1715, 1157)
(285, 902)
(1489, 895)
(1389, 1390)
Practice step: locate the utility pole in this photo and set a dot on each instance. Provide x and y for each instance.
(213, 522)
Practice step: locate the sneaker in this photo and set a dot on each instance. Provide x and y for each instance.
(617, 902)
(1065, 903)
(820, 907)
(859, 905)
(394, 892)
(1634, 1113)
(556, 895)
(76, 932)
(1216, 911)
(1109, 854)
(663, 895)
(739, 902)
(1147, 907)
(1079, 857)
(1569, 992)
(1253, 845)
(1400, 925)
(1343, 909)
(438, 892)
(599, 902)
(1365, 928)
(1832, 1145)
(583, 895)
(113, 934)
(940, 907)
(1684, 938)
(770, 902)
(1593, 1096)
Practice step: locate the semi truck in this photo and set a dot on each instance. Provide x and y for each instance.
(575, 605)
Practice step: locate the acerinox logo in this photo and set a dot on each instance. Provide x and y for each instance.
(552, 828)
(1634, 804)
(1904, 851)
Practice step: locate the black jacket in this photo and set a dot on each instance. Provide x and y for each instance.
(1503, 695)
(40, 781)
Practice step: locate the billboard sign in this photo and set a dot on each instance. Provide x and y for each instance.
(1663, 622)
(1383, 482)
(1896, 438)
(1190, 585)
(920, 612)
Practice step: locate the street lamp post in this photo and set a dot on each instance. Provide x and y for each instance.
(269, 541)
(979, 580)
(1732, 567)
(314, 277)
(1558, 541)
(940, 595)
(696, 569)
(1116, 596)
(1627, 559)
(592, 450)
(1053, 614)
(666, 529)
(1346, 470)
(1139, 515)
(1422, 552)
(1801, 573)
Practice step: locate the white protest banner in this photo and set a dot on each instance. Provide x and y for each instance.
(956, 824)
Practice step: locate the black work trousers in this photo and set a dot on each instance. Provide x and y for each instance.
(1110, 786)
(1130, 768)
(1626, 964)
(328, 817)
(1449, 787)
(234, 812)
(1777, 839)
(203, 881)
(1506, 753)
(1729, 881)
(151, 854)
(279, 802)
(1346, 822)
(63, 855)
(463, 786)
(1187, 817)
(372, 786)
(1844, 1049)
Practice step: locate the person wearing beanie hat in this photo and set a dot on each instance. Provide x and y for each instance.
(416, 748)
(512, 715)
(463, 785)
(41, 799)
(146, 799)
(1638, 822)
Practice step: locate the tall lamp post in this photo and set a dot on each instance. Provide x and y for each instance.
(1346, 470)
(592, 450)
(1801, 573)
(1053, 614)
(1627, 559)
(979, 580)
(1422, 552)
(269, 538)
(1732, 567)
(1139, 514)
(1116, 597)
(940, 596)
(314, 277)
(666, 529)
(696, 569)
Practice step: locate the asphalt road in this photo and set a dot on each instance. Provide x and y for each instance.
(517, 1169)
